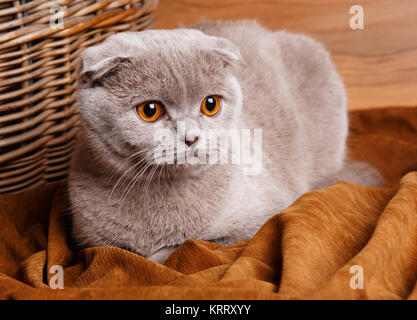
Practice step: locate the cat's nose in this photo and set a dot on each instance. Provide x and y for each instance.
(189, 141)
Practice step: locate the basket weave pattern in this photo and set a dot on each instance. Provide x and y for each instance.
(38, 79)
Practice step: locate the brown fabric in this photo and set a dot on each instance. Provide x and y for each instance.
(304, 252)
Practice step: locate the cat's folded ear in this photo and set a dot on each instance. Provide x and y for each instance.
(228, 52)
(96, 64)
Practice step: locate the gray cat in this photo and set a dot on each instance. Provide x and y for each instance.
(212, 76)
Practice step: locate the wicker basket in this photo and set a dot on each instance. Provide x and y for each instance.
(39, 60)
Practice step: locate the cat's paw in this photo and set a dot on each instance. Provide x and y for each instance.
(162, 255)
(362, 173)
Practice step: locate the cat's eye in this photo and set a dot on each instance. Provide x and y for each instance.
(150, 111)
(210, 105)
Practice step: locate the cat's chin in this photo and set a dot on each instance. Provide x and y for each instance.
(195, 170)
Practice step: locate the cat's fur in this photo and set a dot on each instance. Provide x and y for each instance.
(283, 83)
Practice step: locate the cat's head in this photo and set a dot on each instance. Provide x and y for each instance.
(136, 85)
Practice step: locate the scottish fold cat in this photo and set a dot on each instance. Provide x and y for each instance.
(149, 97)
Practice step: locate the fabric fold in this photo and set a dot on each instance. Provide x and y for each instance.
(343, 242)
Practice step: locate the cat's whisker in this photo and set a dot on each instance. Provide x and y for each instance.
(136, 179)
(159, 176)
(169, 174)
(131, 168)
(150, 178)
(164, 169)
(125, 173)
(121, 165)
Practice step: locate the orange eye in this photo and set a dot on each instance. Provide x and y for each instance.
(210, 105)
(150, 111)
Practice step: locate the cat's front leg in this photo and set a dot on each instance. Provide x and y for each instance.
(162, 255)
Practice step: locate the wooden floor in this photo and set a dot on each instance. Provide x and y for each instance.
(378, 63)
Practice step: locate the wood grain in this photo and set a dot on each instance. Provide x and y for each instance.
(378, 63)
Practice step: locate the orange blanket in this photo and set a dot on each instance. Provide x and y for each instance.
(342, 242)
